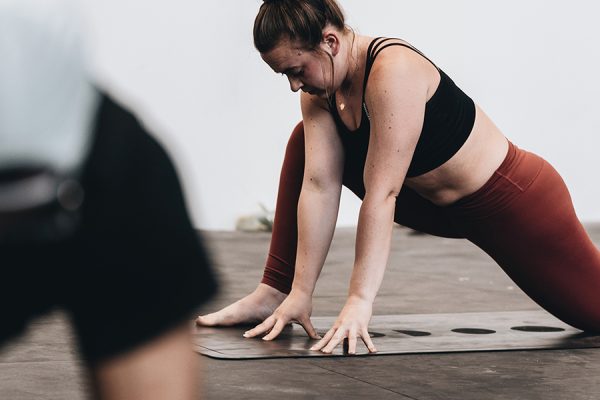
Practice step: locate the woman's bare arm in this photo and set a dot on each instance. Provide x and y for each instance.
(317, 215)
(320, 195)
(396, 98)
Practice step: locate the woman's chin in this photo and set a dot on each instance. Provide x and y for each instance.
(321, 94)
(317, 92)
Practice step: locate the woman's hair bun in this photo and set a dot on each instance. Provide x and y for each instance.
(299, 20)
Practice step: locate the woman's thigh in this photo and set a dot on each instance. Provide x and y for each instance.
(527, 223)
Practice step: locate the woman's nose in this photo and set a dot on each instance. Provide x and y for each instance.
(295, 84)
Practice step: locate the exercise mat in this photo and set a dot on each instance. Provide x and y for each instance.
(407, 334)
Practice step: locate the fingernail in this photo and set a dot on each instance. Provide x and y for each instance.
(312, 348)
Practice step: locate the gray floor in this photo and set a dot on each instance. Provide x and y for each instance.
(425, 275)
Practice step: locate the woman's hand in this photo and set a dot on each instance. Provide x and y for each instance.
(352, 322)
(297, 307)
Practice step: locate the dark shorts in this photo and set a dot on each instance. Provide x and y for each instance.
(135, 266)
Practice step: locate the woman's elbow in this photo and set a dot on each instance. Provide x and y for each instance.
(322, 184)
(389, 195)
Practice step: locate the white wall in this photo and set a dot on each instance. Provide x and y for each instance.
(190, 70)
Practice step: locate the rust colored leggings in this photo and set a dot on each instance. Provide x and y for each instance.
(523, 217)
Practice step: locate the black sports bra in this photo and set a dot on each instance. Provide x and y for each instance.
(449, 119)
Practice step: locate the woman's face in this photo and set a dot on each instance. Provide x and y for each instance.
(309, 71)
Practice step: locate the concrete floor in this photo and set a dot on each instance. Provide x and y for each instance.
(425, 275)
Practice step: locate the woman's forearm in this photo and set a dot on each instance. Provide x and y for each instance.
(373, 238)
(317, 215)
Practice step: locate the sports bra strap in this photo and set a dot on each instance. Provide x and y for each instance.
(377, 46)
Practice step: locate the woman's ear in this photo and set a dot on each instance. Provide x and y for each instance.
(331, 42)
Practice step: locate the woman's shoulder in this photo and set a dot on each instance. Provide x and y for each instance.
(396, 64)
(396, 55)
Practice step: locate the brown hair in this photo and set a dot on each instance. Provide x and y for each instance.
(301, 20)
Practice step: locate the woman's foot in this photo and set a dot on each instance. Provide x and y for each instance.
(255, 307)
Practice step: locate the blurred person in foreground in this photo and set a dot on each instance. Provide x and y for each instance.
(92, 216)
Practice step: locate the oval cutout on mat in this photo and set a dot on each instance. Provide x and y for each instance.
(473, 331)
(534, 328)
(412, 333)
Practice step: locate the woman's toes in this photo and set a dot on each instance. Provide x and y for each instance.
(205, 320)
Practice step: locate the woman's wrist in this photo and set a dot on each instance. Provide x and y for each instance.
(357, 296)
(302, 290)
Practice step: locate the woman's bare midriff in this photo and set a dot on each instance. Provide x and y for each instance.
(469, 169)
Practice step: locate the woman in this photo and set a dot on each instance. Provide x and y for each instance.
(383, 120)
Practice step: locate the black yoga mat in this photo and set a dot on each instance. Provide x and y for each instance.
(408, 334)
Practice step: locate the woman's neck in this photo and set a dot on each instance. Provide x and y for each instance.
(354, 61)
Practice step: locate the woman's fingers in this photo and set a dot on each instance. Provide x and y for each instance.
(335, 340)
(335, 336)
(352, 343)
(273, 327)
(279, 325)
(368, 342)
(325, 340)
(308, 327)
(261, 328)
